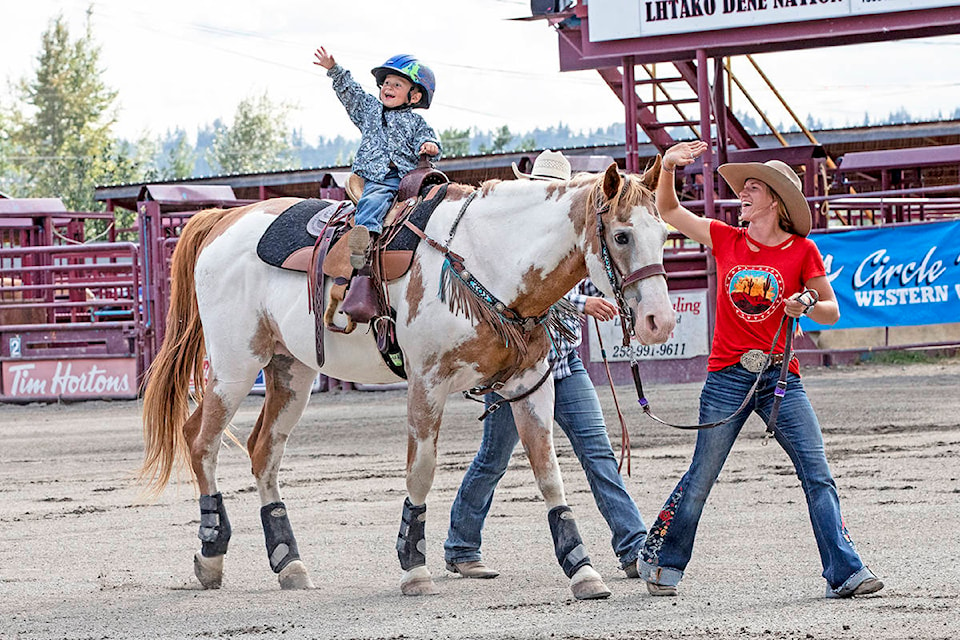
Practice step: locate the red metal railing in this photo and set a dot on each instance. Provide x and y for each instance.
(70, 304)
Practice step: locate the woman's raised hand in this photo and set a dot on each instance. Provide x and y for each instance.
(683, 153)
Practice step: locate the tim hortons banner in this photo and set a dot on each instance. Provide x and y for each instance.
(623, 19)
(893, 277)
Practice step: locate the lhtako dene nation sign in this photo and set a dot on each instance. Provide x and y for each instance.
(893, 277)
(623, 19)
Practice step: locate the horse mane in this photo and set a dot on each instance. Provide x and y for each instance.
(632, 193)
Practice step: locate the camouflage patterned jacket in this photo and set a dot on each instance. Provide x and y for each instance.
(389, 135)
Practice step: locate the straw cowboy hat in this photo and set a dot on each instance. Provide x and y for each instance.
(549, 165)
(782, 179)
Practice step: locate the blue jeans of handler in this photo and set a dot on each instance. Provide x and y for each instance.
(374, 203)
(670, 544)
(577, 411)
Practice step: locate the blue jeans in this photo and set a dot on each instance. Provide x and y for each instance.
(374, 203)
(670, 543)
(578, 413)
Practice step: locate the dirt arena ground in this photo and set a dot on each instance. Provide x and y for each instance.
(82, 557)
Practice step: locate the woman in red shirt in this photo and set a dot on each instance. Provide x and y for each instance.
(762, 269)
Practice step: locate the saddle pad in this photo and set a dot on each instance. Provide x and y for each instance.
(294, 229)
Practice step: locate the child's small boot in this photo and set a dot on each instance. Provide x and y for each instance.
(358, 240)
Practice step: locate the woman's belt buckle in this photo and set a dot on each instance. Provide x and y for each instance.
(754, 360)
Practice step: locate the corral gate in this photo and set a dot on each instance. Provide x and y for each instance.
(70, 325)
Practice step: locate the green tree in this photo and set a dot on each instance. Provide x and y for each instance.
(179, 157)
(501, 138)
(60, 131)
(7, 169)
(259, 139)
(527, 144)
(455, 142)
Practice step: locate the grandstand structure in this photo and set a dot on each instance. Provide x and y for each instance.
(82, 317)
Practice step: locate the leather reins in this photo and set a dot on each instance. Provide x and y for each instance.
(808, 298)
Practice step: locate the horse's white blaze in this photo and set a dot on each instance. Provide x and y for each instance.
(649, 299)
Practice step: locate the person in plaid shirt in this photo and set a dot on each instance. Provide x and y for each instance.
(577, 411)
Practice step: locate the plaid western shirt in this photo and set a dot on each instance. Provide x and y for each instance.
(561, 348)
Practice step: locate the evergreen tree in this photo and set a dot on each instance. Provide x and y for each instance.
(179, 157)
(527, 144)
(8, 184)
(501, 138)
(259, 139)
(455, 142)
(60, 134)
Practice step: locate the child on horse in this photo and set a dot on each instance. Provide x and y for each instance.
(393, 136)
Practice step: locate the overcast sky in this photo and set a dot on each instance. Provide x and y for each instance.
(184, 63)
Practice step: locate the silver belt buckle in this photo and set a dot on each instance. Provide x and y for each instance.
(754, 360)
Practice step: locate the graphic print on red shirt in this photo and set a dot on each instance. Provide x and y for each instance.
(754, 291)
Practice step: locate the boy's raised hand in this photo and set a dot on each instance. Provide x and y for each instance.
(324, 59)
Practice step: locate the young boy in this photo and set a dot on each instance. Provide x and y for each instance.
(393, 136)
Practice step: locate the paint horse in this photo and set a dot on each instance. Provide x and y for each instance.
(472, 306)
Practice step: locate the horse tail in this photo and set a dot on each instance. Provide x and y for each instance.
(165, 397)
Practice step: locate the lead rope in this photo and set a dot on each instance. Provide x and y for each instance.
(781, 389)
(624, 434)
(645, 404)
(808, 298)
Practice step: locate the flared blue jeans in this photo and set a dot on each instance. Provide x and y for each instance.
(670, 544)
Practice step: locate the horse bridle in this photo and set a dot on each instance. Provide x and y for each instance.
(618, 282)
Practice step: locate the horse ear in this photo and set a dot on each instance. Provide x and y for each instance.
(651, 176)
(611, 181)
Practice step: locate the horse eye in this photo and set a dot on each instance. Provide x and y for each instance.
(621, 237)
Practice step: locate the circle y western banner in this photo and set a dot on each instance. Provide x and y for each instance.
(894, 276)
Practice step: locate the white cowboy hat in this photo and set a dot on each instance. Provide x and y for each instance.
(782, 179)
(549, 165)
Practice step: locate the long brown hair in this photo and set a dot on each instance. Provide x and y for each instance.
(783, 216)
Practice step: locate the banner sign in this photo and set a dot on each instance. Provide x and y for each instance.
(893, 277)
(688, 340)
(82, 378)
(622, 19)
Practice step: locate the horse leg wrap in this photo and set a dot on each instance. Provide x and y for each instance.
(214, 526)
(571, 554)
(281, 545)
(411, 546)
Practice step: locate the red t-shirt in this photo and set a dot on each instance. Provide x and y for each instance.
(751, 288)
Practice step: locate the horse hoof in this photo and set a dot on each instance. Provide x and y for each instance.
(418, 582)
(209, 571)
(295, 576)
(587, 584)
